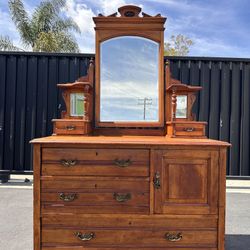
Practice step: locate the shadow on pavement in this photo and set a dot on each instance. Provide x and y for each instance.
(237, 242)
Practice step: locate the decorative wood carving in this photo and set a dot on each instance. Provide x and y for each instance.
(73, 124)
(130, 21)
(175, 88)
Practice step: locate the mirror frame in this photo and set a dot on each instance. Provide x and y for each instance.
(130, 23)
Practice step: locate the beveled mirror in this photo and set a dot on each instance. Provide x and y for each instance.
(181, 106)
(129, 69)
(76, 104)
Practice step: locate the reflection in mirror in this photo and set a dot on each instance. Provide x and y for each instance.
(129, 80)
(76, 104)
(181, 106)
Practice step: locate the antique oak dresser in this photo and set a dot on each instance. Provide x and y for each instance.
(128, 167)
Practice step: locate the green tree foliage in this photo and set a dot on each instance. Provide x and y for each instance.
(47, 29)
(7, 45)
(178, 46)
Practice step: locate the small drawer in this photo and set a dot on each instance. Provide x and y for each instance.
(141, 237)
(95, 195)
(102, 162)
(187, 129)
(71, 127)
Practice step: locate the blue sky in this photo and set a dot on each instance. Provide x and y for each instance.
(218, 28)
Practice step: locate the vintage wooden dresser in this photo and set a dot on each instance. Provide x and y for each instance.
(127, 184)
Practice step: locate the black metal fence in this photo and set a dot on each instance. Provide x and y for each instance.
(29, 99)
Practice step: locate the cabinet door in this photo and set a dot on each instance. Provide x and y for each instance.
(186, 181)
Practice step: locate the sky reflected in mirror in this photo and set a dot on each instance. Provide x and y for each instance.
(129, 80)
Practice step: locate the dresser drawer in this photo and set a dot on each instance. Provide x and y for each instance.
(95, 195)
(189, 129)
(124, 248)
(103, 162)
(140, 237)
(71, 127)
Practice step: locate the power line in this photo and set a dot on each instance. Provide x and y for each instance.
(144, 102)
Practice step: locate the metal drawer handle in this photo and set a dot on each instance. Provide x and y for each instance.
(68, 163)
(189, 129)
(67, 197)
(71, 127)
(157, 181)
(85, 236)
(122, 197)
(122, 163)
(173, 237)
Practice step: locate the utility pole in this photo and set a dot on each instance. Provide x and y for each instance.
(145, 102)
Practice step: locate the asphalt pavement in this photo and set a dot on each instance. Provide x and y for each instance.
(16, 215)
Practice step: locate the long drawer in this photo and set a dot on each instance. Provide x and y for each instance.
(140, 237)
(125, 248)
(102, 162)
(94, 195)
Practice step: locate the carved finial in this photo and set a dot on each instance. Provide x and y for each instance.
(129, 11)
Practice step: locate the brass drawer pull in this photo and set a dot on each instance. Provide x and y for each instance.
(70, 127)
(157, 181)
(173, 237)
(122, 197)
(189, 129)
(68, 163)
(67, 197)
(122, 163)
(85, 237)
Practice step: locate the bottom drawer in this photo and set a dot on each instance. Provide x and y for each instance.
(126, 248)
(136, 238)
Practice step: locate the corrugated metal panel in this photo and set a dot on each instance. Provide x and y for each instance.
(29, 99)
(224, 102)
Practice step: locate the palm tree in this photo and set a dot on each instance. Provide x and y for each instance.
(46, 30)
(7, 45)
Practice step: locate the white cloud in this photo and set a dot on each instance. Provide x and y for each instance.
(82, 15)
(108, 7)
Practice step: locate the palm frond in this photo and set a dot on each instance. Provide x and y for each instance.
(66, 43)
(66, 24)
(21, 20)
(7, 45)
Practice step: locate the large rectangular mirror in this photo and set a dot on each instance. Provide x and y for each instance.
(129, 80)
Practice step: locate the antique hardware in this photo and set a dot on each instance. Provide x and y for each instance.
(173, 237)
(70, 128)
(67, 197)
(189, 129)
(85, 236)
(68, 163)
(122, 197)
(157, 182)
(123, 163)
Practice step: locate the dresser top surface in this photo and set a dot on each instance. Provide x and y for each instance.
(127, 140)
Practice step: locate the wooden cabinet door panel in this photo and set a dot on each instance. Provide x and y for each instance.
(188, 181)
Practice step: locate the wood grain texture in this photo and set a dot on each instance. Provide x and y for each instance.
(187, 177)
(127, 221)
(148, 27)
(130, 238)
(222, 199)
(102, 162)
(36, 196)
(124, 248)
(128, 140)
